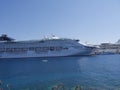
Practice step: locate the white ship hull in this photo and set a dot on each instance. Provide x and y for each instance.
(44, 54)
(42, 48)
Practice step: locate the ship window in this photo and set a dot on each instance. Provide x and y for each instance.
(46, 48)
(65, 48)
(41, 41)
(31, 48)
(2, 49)
(58, 48)
(52, 48)
(41, 49)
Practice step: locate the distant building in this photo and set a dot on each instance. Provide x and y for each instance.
(108, 48)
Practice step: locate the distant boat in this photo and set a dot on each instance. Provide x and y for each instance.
(47, 47)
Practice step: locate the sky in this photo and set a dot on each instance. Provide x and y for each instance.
(91, 21)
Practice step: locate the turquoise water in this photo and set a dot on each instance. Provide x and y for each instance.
(101, 72)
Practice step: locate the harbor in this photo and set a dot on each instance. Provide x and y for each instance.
(58, 64)
(46, 64)
(52, 47)
(59, 45)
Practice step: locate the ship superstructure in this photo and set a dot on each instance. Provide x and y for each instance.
(47, 47)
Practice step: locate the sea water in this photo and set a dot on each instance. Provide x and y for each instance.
(99, 72)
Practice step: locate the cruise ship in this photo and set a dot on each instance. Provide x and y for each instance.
(47, 47)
